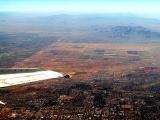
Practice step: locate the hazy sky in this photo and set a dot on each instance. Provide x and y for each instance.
(82, 6)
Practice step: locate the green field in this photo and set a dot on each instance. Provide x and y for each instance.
(99, 51)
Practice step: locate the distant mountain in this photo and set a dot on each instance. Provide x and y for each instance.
(88, 27)
(138, 31)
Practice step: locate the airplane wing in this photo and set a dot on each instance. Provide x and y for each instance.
(22, 78)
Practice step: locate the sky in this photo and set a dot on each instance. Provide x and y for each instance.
(150, 7)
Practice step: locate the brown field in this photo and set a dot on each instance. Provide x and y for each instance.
(91, 58)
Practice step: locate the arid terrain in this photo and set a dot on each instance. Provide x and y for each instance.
(86, 58)
(113, 68)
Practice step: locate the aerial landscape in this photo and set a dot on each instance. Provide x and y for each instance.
(86, 65)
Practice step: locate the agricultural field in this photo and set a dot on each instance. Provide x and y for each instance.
(74, 58)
